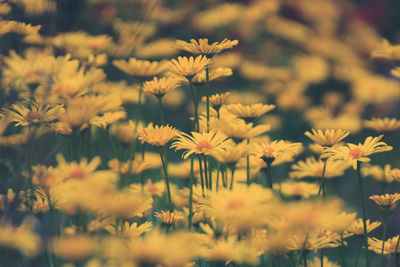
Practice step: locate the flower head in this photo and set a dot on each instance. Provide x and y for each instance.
(357, 153)
(217, 100)
(202, 47)
(390, 245)
(139, 68)
(270, 151)
(311, 167)
(167, 217)
(249, 111)
(160, 87)
(188, 67)
(200, 143)
(357, 227)
(386, 201)
(382, 125)
(328, 137)
(157, 136)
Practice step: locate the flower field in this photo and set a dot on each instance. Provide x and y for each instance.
(155, 133)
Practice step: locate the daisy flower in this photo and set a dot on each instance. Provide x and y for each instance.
(389, 245)
(328, 137)
(202, 47)
(386, 201)
(200, 143)
(353, 153)
(299, 189)
(357, 227)
(188, 67)
(167, 217)
(157, 136)
(160, 87)
(139, 68)
(249, 112)
(217, 100)
(270, 151)
(311, 167)
(382, 125)
(214, 74)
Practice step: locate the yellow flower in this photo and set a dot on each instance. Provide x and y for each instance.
(132, 230)
(139, 68)
(328, 137)
(214, 74)
(202, 47)
(381, 174)
(316, 262)
(386, 201)
(387, 51)
(108, 118)
(357, 153)
(76, 247)
(249, 112)
(33, 112)
(300, 189)
(221, 252)
(153, 189)
(157, 49)
(390, 245)
(273, 150)
(357, 227)
(74, 170)
(314, 240)
(219, 16)
(168, 217)
(311, 167)
(160, 87)
(217, 100)
(382, 125)
(237, 128)
(188, 67)
(127, 132)
(131, 166)
(200, 143)
(21, 238)
(231, 154)
(339, 222)
(157, 136)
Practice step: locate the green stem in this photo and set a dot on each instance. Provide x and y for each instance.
(161, 111)
(217, 180)
(358, 253)
(139, 106)
(190, 215)
(322, 184)
(364, 214)
(196, 107)
(395, 251)
(321, 257)
(206, 172)
(385, 219)
(171, 206)
(201, 177)
(248, 166)
(232, 178)
(269, 176)
(208, 96)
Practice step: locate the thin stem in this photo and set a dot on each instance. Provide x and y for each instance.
(139, 106)
(321, 257)
(363, 212)
(206, 172)
(385, 219)
(171, 206)
(196, 107)
(358, 253)
(269, 177)
(190, 215)
(322, 184)
(248, 166)
(395, 251)
(161, 111)
(201, 177)
(208, 96)
(232, 178)
(217, 180)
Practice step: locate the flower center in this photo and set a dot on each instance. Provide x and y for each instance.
(393, 245)
(32, 116)
(152, 189)
(235, 203)
(356, 153)
(319, 170)
(77, 173)
(268, 152)
(203, 146)
(297, 190)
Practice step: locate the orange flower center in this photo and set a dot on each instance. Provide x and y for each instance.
(268, 151)
(41, 206)
(152, 189)
(393, 245)
(235, 203)
(319, 170)
(297, 190)
(77, 173)
(204, 146)
(356, 153)
(33, 115)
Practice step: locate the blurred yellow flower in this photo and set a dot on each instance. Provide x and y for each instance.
(140, 68)
(386, 201)
(298, 189)
(157, 136)
(248, 112)
(382, 125)
(202, 47)
(357, 227)
(311, 167)
(328, 137)
(390, 245)
(160, 87)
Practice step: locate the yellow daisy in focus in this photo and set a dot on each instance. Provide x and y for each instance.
(249, 112)
(382, 125)
(157, 136)
(357, 227)
(139, 68)
(217, 100)
(202, 47)
(273, 150)
(200, 143)
(188, 67)
(386, 201)
(390, 245)
(328, 137)
(160, 87)
(357, 153)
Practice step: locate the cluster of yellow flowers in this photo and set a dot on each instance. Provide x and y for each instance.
(127, 148)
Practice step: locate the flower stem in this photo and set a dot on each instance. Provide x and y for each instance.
(201, 177)
(208, 96)
(171, 206)
(248, 166)
(161, 111)
(139, 106)
(269, 176)
(322, 184)
(363, 212)
(209, 186)
(232, 178)
(385, 219)
(358, 253)
(196, 107)
(190, 215)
